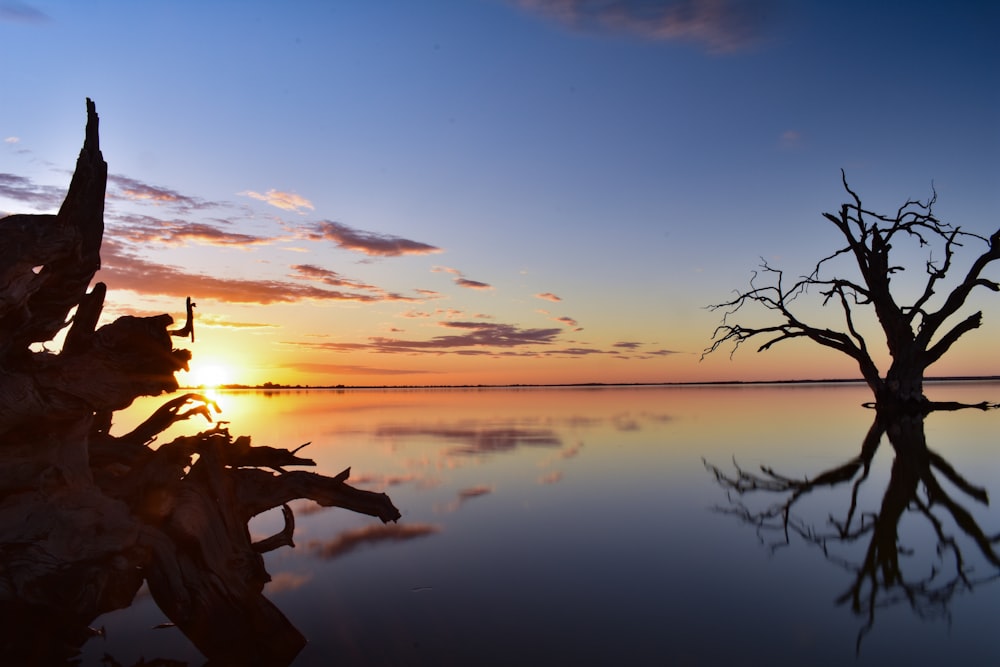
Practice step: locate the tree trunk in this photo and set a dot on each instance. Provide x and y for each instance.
(86, 517)
(903, 388)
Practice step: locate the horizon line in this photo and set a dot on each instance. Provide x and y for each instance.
(512, 385)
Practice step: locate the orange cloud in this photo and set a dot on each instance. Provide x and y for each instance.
(135, 190)
(149, 229)
(460, 278)
(548, 296)
(125, 271)
(369, 243)
(286, 201)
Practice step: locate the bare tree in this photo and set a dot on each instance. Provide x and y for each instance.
(85, 516)
(916, 335)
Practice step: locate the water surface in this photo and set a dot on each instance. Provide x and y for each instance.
(582, 526)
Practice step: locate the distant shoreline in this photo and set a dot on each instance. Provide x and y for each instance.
(270, 386)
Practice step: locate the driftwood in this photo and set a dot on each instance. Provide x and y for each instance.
(87, 517)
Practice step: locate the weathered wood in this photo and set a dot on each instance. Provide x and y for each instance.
(86, 517)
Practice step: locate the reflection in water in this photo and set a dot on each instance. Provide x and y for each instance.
(889, 572)
(617, 563)
(350, 540)
(87, 518)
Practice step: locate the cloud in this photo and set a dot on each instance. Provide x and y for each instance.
(721, 25)
(663, 353)
(213, 321)
(351, 540)
(548, 296)
(124, 270)
(334, 279)
(627, 345)
(569, 321)
(472, 284)
(25, 190)
(19, 12)
(351, 369)
(478, 335)
(286, 201)
(135, 190)
(146, 229)
(11, 140)
(576, 351)
(369, 243)
(790, 139)
(460, 278)
(328, 277)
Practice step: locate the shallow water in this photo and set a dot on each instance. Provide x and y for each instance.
(582, 526)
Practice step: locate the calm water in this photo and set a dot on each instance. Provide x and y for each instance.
(582, 526)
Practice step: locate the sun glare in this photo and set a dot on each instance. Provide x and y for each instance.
(210, 376)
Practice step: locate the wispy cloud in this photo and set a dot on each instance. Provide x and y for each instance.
(124, 270)
(790, 139)
(575, 352)
(24, 190)
(352, 369)
(721, 25)
(628, 345)
(479, 338)
(286, 201)
(460, 278)
(334, 279)
(213, 321)
(145, 229)
(328, 277)
(369, 243)
(548, 296)
(11, 140)
(19, 12)
(124, 187)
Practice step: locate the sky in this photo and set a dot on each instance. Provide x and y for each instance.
(497, 191)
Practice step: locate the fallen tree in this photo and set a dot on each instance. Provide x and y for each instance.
(86, 517)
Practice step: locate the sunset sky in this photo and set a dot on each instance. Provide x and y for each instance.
(496, 191)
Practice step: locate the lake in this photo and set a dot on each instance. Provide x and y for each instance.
(587, 526)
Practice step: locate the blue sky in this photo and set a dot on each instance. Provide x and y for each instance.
(399, 182)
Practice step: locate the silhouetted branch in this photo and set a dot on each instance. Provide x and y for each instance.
(912, 332)
(86, 517)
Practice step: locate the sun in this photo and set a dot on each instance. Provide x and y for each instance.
(210, 376)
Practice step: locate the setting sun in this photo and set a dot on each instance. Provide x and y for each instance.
(210, 375)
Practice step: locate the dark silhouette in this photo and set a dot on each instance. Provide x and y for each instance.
(87, 517)
(879, 579)
(916, 335)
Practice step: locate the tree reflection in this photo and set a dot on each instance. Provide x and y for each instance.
(888, 572)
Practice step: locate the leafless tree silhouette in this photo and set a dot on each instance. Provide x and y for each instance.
(916, 335)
